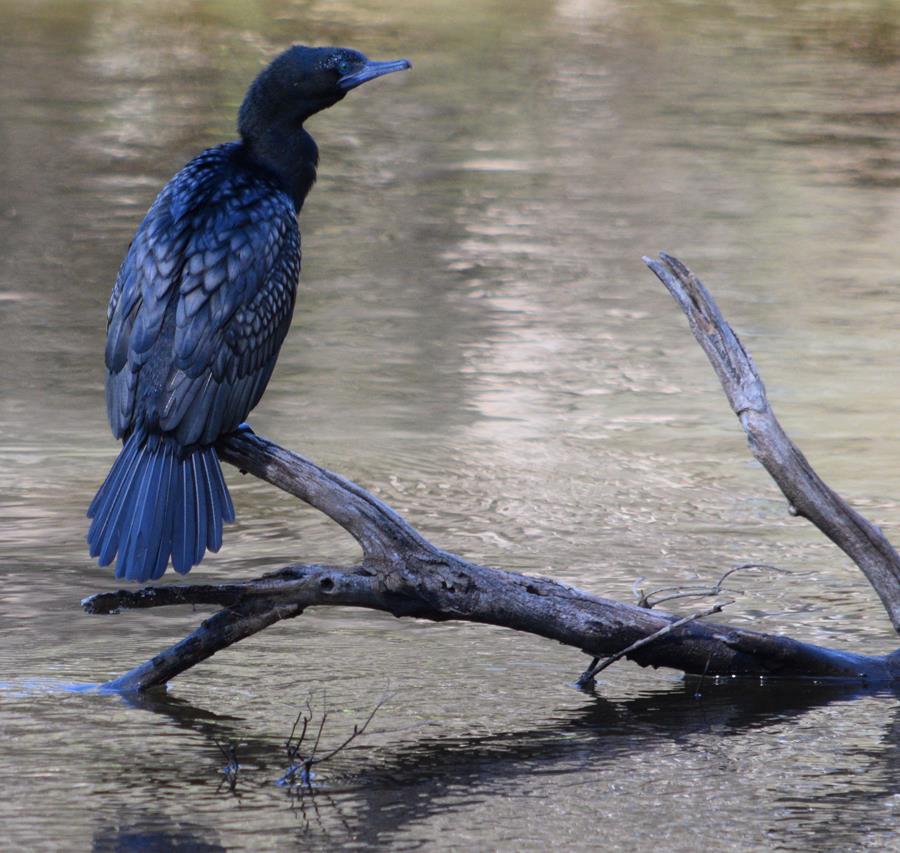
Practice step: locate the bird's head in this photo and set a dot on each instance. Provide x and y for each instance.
(304, 80)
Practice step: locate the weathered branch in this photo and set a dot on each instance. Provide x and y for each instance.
(381, 533)
(451, 588)
(403, 574)
(588, 676)
(226, 627)
(805, 491)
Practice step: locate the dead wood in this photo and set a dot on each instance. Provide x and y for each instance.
(402, 573)
(806, 493)
(587, 677)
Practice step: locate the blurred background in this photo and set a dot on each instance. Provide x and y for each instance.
(477, 341)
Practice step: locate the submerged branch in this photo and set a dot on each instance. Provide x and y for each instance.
(403, 574)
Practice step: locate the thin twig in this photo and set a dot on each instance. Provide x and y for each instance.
(698, 591)
(683, 592)
(357, 731)
(589, 674)
(293, 748)
(637, 592)
(232, 768)
(319, 733)
(697, 693)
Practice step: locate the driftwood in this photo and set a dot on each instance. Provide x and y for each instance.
(404, 574)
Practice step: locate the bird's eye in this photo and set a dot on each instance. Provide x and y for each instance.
(344, 67)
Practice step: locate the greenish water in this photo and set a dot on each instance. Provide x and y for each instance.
(476, 341)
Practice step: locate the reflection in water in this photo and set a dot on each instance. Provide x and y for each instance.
(477, 341)
(149, 832)
(381, 796)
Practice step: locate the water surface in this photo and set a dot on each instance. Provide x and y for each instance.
(476, 341)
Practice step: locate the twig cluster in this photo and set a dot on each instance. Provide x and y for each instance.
(299, 776)
(300, 770)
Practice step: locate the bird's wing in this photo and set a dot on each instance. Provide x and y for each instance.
(143, 289)
(235, 302)
(201, 305)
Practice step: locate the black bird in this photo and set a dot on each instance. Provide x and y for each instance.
(199, 310)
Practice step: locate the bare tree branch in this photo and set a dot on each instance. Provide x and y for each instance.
(402, 573)
(805, 491)
(454, 589)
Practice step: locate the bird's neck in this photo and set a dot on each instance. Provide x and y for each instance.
(289, 156)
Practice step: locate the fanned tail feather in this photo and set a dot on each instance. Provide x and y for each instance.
(155, 505)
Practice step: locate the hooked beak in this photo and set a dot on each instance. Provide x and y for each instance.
(370, 71)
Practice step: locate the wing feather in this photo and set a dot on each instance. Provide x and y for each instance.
(202, 303)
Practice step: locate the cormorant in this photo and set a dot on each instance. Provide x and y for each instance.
(199, 310)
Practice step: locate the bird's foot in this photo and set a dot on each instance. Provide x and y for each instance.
(244, 429)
